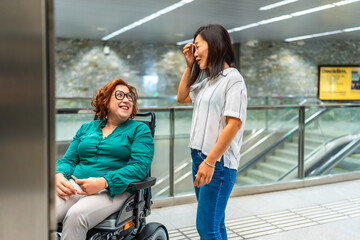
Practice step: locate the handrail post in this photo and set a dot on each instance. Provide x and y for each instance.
(267, 113)
(171, 157)
(301, 142)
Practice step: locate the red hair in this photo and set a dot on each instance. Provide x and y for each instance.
(102, 98)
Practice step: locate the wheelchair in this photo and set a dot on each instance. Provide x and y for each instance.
(129, 223)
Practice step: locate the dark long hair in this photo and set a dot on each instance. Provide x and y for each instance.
(220, 50)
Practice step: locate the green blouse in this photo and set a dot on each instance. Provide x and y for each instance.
(122, 157)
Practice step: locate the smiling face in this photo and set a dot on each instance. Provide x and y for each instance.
(120, 110)
(201, 52)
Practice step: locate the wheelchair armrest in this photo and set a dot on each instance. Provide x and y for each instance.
(146, 183)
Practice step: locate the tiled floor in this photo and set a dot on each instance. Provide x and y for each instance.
(326, 212)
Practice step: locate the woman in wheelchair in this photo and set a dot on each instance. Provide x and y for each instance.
(105, 156)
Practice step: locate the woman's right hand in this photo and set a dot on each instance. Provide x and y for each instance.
(64, 188)
(189, 54)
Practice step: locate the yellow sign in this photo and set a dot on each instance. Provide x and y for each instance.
(339, 83)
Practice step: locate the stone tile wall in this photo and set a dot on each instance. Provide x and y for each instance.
(82, 67)
(280, 68)
(269, 68)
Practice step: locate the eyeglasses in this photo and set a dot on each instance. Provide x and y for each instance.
(119, 95)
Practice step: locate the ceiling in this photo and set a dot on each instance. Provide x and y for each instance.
(93, 19)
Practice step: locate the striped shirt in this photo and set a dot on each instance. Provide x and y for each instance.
(213, 101)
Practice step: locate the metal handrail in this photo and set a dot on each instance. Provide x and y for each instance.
(174, 97)
(344, 152)
(190, 108)
(139, 97)
(313, 154)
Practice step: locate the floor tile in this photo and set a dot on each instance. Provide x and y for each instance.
(326, 212)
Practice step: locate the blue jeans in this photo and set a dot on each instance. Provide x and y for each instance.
(212, 199)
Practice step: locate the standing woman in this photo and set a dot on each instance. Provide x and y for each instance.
(219, 115)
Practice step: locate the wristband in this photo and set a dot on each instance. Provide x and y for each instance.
(210, 165)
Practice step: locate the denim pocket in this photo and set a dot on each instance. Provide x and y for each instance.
(201, 155)
(232, 175)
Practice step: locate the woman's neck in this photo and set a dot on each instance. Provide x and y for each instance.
(225, 66)
(112, 123)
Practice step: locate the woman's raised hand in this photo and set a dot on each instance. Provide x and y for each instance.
(188, 52)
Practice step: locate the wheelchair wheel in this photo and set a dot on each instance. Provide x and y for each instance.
(159, 234)
(96, 236)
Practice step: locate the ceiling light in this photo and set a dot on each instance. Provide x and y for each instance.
(277, 4)
(326, 33)
(243, 27)
(146, 19)
(322, 34)
(298, 38)
(345, 2)
(311, 10)
(275, 19)
(351, 29)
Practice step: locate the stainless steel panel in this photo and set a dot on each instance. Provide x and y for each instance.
(25, 122)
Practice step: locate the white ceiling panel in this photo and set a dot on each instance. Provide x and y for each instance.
(93, 19)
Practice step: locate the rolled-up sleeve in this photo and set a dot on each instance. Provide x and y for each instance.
(138, 166)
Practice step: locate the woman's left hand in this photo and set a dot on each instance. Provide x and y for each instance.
(91, 185)
(204, 175)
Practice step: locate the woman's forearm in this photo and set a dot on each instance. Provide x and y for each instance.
(225, 139)
(183, 91)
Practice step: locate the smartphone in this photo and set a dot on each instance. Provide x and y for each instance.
(75, 185)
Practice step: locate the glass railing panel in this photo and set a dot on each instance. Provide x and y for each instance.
(281, 117)
(270, 137)
(328, 149)
(183, 167)
(73, 103)
(157, 101)
(183, 123)
(182, 157)
(160, 167)
(256, 119)
(273, 152)
(161, 162)
(257, 101)
(68, 124)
